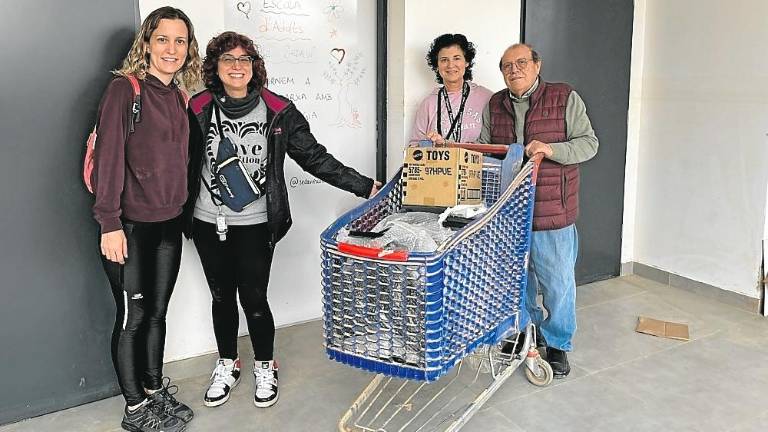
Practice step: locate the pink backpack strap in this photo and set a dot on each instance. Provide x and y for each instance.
(135, 84)
(185, 97)
(90, 145)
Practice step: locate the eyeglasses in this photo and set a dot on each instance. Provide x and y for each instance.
(520, 63)
(229, 60)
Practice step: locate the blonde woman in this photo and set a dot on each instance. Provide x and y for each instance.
(140, 183)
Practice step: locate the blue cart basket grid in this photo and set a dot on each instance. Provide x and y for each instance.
(416, 315)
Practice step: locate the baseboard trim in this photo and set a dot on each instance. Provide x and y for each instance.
(626, 268)
(731, 298)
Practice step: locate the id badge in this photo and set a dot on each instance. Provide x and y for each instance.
(221, 226)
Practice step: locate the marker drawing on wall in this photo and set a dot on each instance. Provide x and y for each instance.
(345, 74)
(283, 7)
(310, 40)
(334, 10)
(281, 28)
(338, 54)
(244, 8)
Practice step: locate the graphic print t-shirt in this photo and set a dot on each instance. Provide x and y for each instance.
(249, 135)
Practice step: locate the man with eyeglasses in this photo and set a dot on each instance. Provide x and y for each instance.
(551, 119)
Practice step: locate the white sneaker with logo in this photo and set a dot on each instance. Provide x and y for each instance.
(265, 373)
(224, 378)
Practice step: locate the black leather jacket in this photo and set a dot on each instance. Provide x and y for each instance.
(288, 133)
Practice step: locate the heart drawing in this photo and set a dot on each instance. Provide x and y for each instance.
(338, 54)
(245, 8)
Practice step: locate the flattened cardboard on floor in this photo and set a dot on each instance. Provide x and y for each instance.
(660, 328)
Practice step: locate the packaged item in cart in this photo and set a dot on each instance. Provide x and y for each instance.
(442, 177)
(460, 215)
(412, 231)
(388, 347)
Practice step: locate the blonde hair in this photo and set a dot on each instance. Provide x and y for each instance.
(137, 61)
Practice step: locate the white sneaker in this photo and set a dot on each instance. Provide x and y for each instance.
(265, 373)
(224, 378)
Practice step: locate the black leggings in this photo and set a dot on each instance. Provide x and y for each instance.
(241, 265)
(142, 289)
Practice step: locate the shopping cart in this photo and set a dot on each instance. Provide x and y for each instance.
(413, 317)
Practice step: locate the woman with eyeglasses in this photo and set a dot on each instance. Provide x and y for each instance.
(236, 245)
(140, 184)
(452, 112)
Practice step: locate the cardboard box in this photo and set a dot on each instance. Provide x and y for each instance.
(442, 177)
(660, 328)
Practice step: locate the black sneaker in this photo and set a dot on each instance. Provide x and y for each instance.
(266, 393)
(164, 398)
(224, 378)
(150, 417)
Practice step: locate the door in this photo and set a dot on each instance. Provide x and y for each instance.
(588, 44)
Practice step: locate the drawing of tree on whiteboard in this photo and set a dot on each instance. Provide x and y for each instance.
(345, 72)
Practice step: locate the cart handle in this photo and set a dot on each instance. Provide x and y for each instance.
(369, 252)
(497, 149)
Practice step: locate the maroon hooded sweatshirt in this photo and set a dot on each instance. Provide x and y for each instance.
(142, 178)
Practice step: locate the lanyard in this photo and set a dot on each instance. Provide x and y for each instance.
(455, 129)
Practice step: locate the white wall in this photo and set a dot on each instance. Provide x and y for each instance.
(342, 116)
(702, 146)
(696, 202)
(765, 257)
(190, 331)
(633, 132)
(411, 28)
(491, 28)
(396, 71)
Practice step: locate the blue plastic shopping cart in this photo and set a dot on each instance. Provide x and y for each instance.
(416, 315)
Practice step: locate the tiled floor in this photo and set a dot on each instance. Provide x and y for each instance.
(621, 380)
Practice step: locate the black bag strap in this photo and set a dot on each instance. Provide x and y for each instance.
(218, 121)
(135, 110)
(214, 196)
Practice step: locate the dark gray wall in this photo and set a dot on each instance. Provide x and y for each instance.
(56, 312)
(588, 43)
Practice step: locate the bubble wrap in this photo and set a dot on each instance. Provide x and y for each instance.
(412, 231)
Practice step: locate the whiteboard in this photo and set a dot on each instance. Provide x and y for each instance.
(322, 55)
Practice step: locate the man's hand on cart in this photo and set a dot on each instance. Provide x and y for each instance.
(536, 146)
(375, 188)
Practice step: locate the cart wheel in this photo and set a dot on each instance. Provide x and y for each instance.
(544, 377)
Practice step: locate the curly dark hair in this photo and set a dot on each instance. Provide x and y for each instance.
(446, 40)
(228, 41)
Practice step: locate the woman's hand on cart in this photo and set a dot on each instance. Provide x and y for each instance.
(375, 189)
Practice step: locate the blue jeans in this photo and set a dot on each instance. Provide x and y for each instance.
(551, 271)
